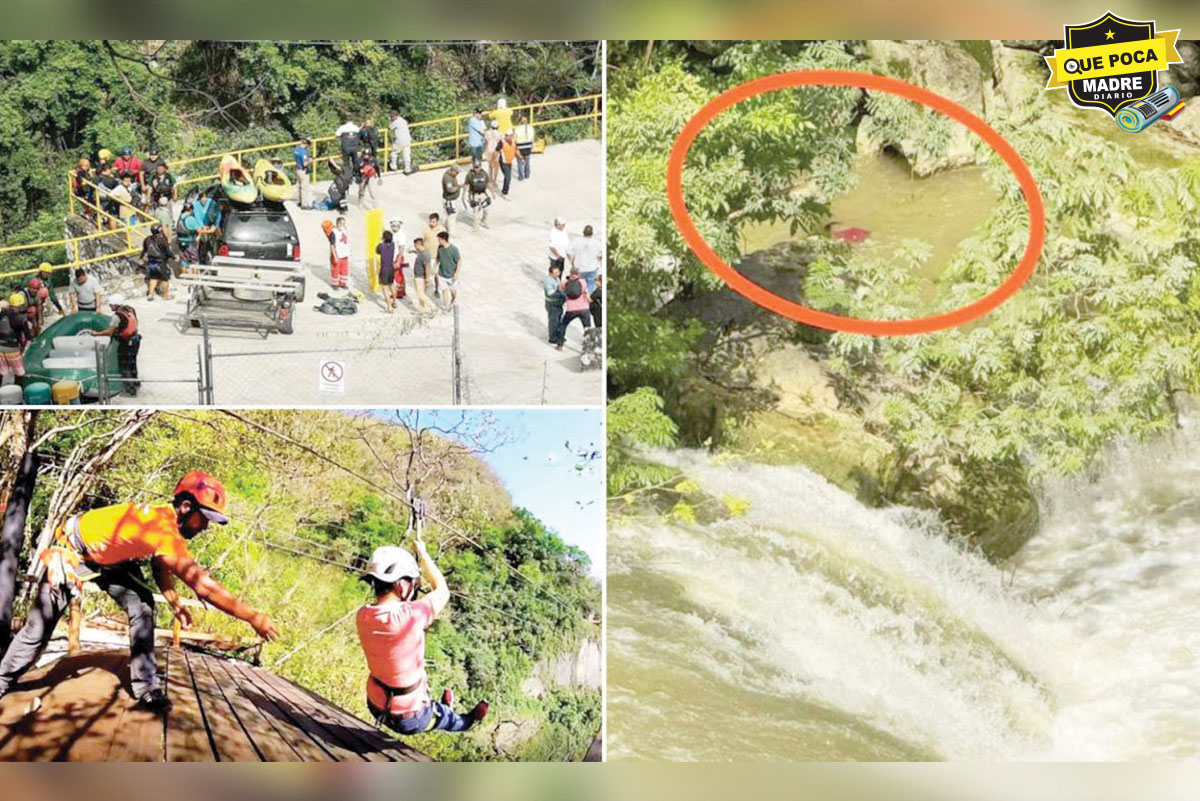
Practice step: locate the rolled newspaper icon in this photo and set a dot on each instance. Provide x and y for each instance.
(1140, 115)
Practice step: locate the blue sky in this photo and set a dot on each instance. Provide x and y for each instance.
(541, 474)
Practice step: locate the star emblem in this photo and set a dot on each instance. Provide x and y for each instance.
(1108, 34)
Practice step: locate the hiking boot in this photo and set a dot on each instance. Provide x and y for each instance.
(155, 701)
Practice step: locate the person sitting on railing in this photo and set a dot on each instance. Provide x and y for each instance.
(15, 334)
(162, 187)
(150, 169)
(86, 292)
(124, 194)
(369, 136)
(104, 159)
(81, 183)
(107, 182)
(131, 165)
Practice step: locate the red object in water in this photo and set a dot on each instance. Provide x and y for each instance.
(851, 235)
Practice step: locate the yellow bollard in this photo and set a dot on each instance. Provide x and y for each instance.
(374, 237)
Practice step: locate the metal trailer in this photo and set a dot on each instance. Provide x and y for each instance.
(225, 297)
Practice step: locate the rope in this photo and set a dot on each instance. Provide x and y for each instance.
(385, 490)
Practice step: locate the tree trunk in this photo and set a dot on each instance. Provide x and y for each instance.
(19, 494)
(78, 477)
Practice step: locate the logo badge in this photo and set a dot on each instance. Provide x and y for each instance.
(1112, 64)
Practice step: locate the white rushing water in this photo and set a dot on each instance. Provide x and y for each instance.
(813, 627)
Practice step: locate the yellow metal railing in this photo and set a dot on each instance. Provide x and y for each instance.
(130, 230)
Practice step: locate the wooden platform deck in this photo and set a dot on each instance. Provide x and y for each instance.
(79, 709)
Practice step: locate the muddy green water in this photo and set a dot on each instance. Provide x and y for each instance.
(942, 210)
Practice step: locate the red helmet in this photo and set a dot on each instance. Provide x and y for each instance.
(208, 492)
(35, 283)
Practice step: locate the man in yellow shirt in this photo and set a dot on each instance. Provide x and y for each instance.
(104, 546)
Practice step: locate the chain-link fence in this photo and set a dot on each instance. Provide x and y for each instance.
(421, 364)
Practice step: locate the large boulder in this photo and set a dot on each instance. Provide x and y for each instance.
(1020, 78)
(960, 71)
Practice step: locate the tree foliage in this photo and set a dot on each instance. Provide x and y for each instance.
(1102, 344)
(301, 530)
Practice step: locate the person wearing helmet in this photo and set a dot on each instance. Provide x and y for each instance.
(81, 184)
(392, 634)
(156, 257)
(124, 328)
(16, 331)
(107, 546)
(479, 194)
(44, 289)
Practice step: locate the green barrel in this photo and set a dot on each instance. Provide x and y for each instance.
(37, 394)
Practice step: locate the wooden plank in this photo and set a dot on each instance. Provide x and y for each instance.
(81, 702)
(303, 746)
(230, 740)
(299, 718)
(351, 735)
(391, 747)
(187, 737)
(270, 746)
(363, 734)
(140, 734)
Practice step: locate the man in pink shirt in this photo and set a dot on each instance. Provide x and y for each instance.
(392, 633)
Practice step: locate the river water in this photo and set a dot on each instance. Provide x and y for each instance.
(815, 628)
(941, 210)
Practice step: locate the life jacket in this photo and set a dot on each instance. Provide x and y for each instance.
(450, 187)
(128, 320)
(181, 228)
(10, 337)
(350, 141)
(574, 288)
(509, 151)
(479, 181)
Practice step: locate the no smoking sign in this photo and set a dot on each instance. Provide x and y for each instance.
(331, 377)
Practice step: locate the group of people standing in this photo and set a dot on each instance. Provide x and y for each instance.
(572, 292)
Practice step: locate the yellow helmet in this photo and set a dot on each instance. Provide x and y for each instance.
(105, 154)
(16, 300)
(45, 267)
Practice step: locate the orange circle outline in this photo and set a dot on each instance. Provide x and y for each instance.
(837, 322)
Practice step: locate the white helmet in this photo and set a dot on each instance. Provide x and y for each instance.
(391, 563)
(116, 300)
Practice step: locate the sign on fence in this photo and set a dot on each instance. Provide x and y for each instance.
(332, 378)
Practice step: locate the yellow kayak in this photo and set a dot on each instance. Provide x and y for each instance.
(236, 181)
(272, 181)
